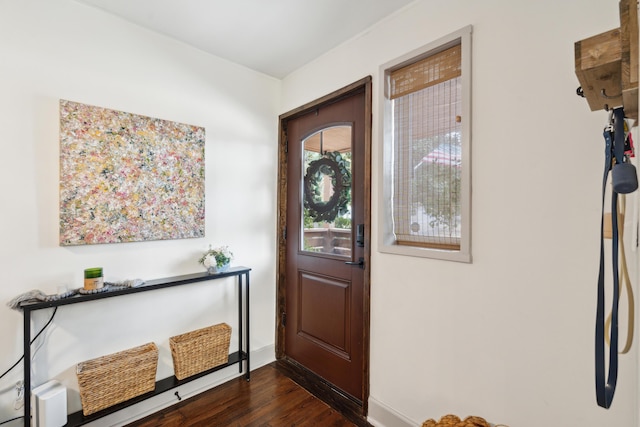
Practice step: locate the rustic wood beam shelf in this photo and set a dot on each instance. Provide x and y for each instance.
(163, 385)
(607, 64)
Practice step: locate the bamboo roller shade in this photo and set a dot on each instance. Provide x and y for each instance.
(426, 72)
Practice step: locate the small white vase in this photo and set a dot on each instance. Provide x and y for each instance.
(214, 269)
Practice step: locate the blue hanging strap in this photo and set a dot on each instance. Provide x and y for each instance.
(605, 388)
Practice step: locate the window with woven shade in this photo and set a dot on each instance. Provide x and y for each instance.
(426, 151)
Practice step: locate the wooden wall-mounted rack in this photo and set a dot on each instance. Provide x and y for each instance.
(607, 65)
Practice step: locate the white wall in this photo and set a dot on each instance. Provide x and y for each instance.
(510, 336)
(52, 49)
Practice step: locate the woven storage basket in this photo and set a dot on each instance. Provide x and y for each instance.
(455, 421)
(117, 377)
(199, 350)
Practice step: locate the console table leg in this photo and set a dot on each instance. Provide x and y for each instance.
(248, 373)
(240, 347)
(27, 365)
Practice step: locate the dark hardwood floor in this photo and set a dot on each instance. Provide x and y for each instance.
(270, 399)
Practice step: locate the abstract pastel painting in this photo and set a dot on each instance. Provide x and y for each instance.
(128, 178)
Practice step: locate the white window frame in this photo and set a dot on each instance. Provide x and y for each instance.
(387, 241)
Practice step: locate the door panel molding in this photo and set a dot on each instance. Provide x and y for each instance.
(332, 333)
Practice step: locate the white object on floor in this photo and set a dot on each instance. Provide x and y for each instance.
(49, 404)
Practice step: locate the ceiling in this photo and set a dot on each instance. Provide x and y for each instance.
(273, 37)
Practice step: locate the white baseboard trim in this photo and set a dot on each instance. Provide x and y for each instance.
(259, 358)
(381, 415)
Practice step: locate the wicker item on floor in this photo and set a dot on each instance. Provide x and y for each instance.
(454, 421)
(118, 377)
(200, 350)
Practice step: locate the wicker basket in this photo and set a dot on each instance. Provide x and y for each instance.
(200, 350)
(455, 421)
(117, 377)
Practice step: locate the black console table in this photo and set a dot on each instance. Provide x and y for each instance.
(77, 418)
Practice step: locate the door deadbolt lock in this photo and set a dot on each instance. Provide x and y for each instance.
(360, 235)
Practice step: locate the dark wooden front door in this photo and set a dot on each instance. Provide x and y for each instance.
(324, 320)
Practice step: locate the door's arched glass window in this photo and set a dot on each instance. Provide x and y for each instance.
(326, 196)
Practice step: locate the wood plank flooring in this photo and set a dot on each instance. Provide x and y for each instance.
(270, 399)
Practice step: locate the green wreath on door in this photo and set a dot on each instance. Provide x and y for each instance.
(334, 165)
